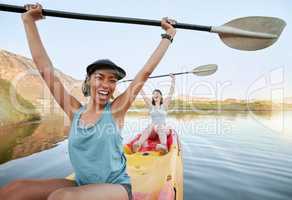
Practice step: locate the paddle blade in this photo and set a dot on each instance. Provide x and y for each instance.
(205, 70)
(254, 33)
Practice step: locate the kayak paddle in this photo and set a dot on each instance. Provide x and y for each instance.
(203, 70)
(247, 33)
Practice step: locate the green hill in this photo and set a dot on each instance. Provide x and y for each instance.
(9, 114)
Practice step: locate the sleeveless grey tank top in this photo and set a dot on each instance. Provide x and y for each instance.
(158, 115)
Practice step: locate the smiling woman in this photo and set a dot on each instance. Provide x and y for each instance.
(95, 144)
(97, 72)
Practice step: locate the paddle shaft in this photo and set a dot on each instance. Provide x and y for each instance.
(159, 76)
(103, 18)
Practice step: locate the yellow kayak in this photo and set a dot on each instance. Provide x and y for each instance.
(155, 176)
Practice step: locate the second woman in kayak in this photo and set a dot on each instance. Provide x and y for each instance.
(158, 112)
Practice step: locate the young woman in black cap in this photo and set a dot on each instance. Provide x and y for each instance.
(95, 144)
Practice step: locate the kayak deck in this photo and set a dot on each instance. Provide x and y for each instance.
(156, 176)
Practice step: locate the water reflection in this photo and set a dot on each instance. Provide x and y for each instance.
(231, 155)
(10, 137)
(26, 139)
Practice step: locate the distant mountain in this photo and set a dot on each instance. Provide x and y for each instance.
(22, 73)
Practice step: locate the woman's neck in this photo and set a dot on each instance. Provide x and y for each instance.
(94, 106)
(157, 104)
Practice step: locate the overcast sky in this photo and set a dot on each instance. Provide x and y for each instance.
(73, 44)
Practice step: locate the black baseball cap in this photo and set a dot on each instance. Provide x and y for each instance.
(105, 64)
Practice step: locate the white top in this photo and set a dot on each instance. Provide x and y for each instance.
(158, 115)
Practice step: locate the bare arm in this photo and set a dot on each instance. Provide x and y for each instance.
(123, 102)
(167, 100)
(43, 63)
(146, 99)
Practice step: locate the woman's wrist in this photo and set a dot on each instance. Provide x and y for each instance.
(171, 31)
(169, 34)
(167, 37)
(27, 19)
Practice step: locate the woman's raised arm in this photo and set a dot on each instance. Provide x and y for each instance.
(146, 99)
(122, 103)
(43, 63)
(167, 100)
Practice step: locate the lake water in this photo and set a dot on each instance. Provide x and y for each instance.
(226, 157)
